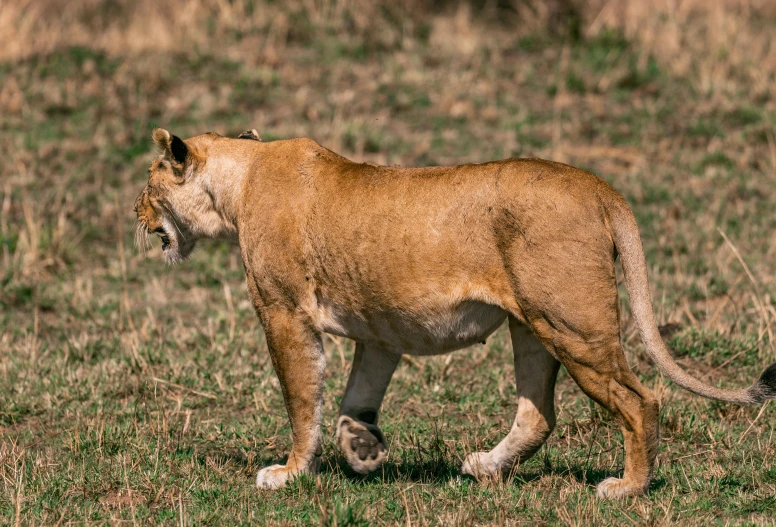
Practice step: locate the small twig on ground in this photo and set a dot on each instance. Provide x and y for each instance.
(753, 422)
(758, 297)
(195, 392)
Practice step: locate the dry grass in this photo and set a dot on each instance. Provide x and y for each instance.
(134, 392)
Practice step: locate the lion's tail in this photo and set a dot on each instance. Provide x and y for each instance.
(628, 244)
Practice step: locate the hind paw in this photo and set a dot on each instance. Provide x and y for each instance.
(613, 488)
(480, 466)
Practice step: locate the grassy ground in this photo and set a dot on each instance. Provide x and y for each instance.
(131, 392)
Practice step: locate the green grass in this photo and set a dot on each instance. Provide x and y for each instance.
(135, 392)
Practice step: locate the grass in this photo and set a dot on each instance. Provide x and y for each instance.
(135, 392)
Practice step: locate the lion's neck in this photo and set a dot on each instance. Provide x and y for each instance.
(224, 185)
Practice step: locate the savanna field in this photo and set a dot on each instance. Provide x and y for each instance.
(132, 392)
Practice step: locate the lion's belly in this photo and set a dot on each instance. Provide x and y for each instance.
(426, 331)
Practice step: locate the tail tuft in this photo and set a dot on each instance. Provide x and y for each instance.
(765, 387)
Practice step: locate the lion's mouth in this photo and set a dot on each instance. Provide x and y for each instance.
(164, 237)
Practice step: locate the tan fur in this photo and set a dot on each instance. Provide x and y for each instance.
(423, 261)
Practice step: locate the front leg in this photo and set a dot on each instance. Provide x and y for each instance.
(358, 436)
(297, 355)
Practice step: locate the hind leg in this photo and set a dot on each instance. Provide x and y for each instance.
(598, 366)
(535, 373)
(358, 436)
(564, 280)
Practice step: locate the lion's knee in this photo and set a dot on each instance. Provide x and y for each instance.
(535, 425)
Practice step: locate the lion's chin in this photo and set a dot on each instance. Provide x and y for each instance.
(171, 257)
(174, 253)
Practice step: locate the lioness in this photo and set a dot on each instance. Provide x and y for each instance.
(424, 261)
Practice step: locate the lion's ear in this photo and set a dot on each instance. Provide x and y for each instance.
(162, 138)
(171, 144)
(179, 149)
(250, 134)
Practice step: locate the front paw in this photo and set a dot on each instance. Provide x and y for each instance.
(274, 477)
(362, 444)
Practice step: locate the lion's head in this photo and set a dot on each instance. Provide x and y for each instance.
(177, 203)
(160, 204)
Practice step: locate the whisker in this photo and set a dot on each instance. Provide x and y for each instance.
(137, 236)
(141, 239)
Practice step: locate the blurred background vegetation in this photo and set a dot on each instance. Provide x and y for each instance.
(671, 101)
